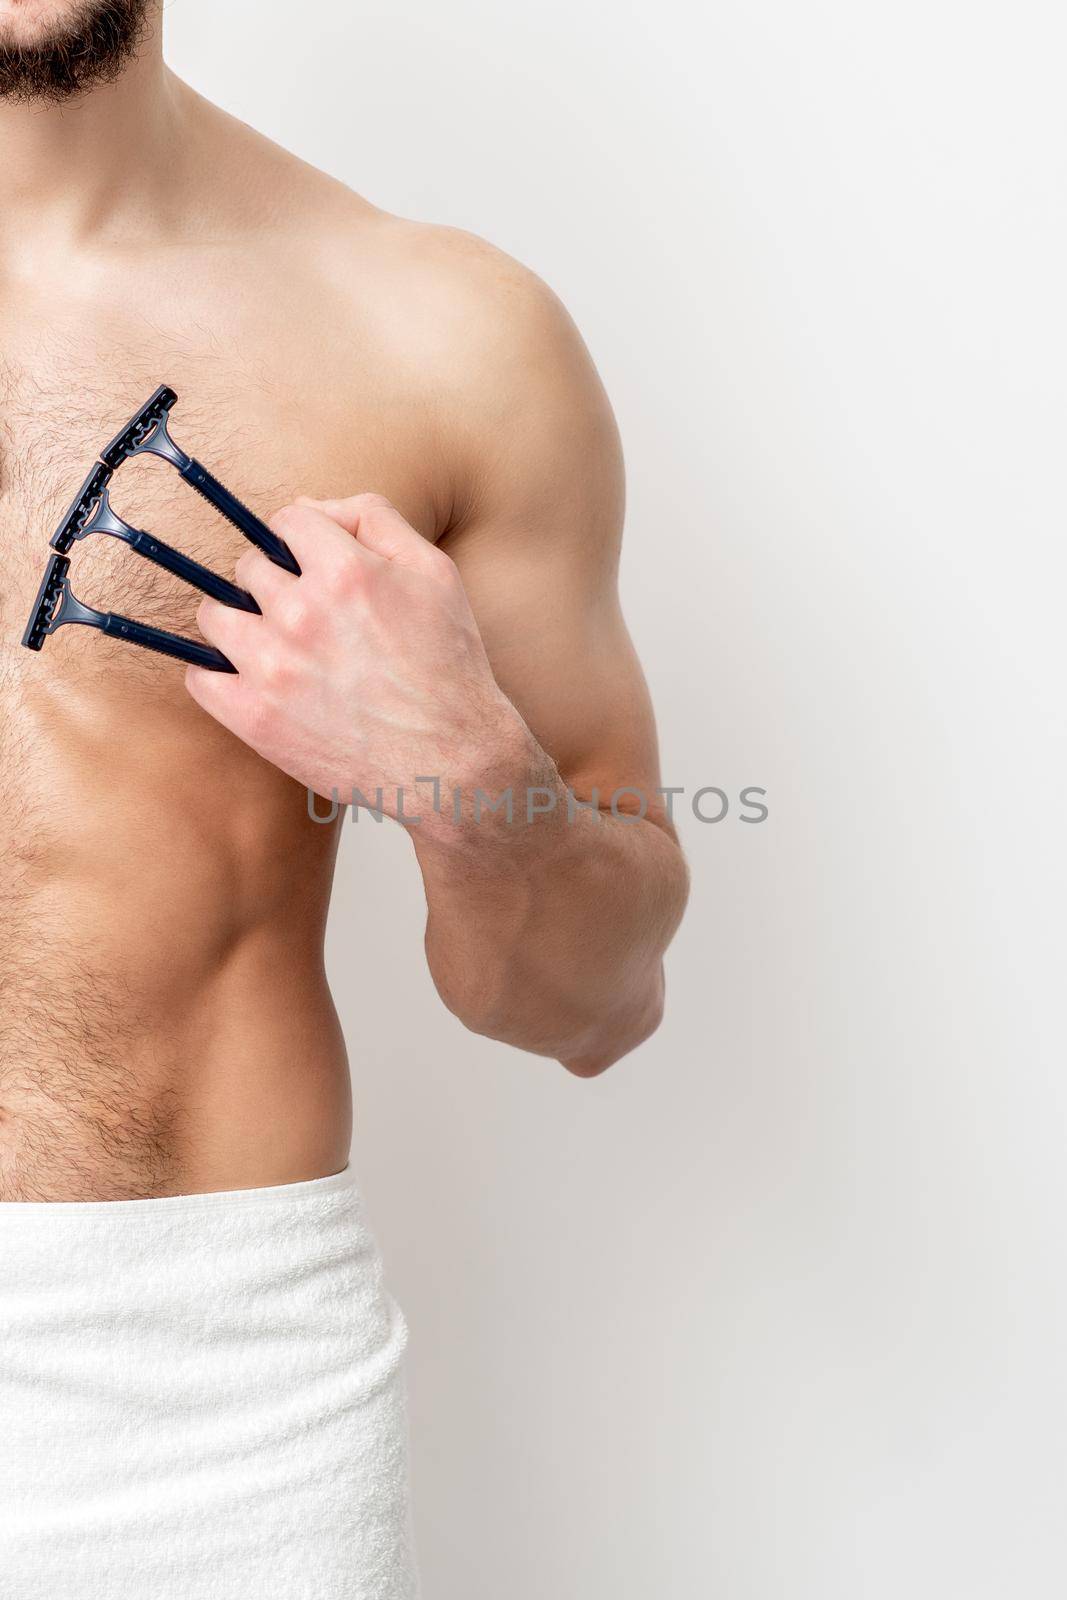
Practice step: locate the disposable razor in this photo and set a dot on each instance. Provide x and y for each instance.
(91, 512)
(146, 434)
(56, 605)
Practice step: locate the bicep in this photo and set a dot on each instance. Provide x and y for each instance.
(538, 553)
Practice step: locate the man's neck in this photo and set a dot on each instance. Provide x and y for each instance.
(91, 170)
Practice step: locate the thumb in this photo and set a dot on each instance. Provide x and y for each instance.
(378, 525)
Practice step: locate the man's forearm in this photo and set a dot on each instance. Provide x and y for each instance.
(548, 932)
(544, 931)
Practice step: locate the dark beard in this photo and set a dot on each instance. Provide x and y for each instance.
(88, 48)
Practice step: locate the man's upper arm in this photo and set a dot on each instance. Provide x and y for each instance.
(536, 535)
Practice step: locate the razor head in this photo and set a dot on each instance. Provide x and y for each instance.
(146, 432)
(56, 604)
(83, 508)
(45, 607)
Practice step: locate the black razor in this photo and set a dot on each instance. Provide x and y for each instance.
(91, 512)
(56, 605)
(146, 434)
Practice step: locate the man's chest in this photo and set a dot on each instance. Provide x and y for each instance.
(255, 407)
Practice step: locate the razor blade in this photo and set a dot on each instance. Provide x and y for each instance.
(91, 512)
(147, 433)
(56, 605)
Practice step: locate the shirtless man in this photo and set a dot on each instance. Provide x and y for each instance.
(426, 417)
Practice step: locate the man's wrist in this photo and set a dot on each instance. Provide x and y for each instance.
(505, 788)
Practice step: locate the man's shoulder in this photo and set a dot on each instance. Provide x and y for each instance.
(429, 286)
(438, 298)
(437, 327)
(442, 300)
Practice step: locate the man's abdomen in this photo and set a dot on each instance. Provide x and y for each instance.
(165, 1024)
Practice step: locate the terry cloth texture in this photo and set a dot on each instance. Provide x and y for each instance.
(201, 1398)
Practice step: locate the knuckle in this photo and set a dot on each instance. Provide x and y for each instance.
(371, 501)
(274, 671)
(290, 516)
(245, 568)
(295, 616)
(346, 578)
(440, 563)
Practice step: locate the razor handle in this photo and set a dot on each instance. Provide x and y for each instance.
(164, 643)
(190, 571)
(236, 512)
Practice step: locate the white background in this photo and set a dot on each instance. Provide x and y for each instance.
(775, 1310)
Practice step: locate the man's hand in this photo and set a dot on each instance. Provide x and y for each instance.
(366, 672)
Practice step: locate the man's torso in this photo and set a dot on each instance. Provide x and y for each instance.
(165, 1022)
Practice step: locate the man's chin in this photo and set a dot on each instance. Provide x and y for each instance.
(53, 50)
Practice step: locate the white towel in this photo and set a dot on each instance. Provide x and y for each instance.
(201, 1398)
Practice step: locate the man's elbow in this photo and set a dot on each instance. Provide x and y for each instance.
(617, 1035)
(585, 1045)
